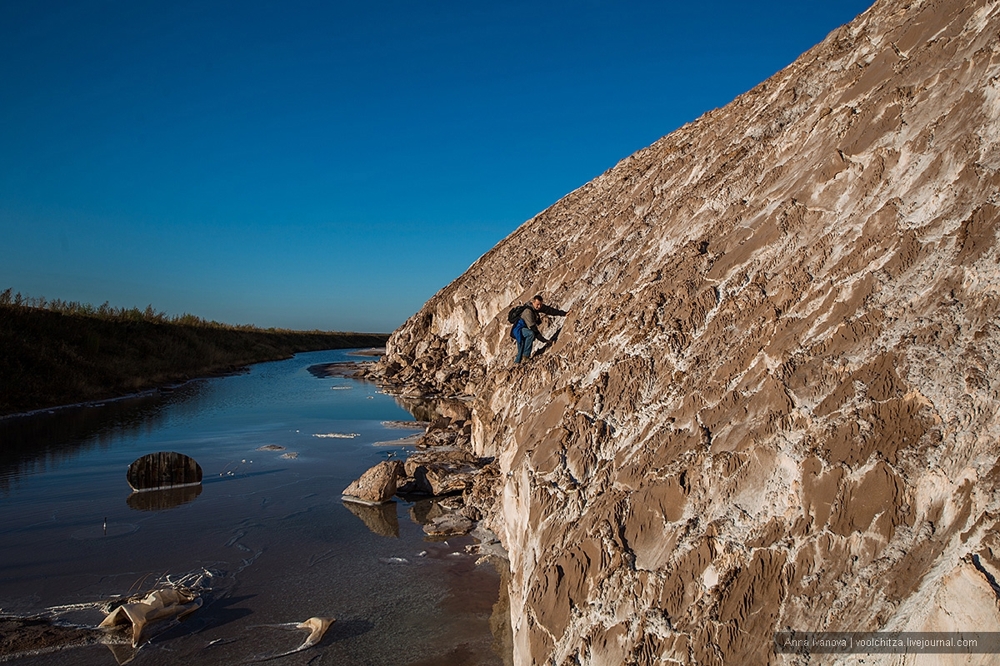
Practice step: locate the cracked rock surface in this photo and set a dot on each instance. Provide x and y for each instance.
(774, 404)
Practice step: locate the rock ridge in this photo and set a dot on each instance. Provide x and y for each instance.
(774, 403)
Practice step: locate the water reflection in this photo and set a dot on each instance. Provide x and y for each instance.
(421, 408)
(380, 519)
(40, 442)
(430, 409)
(159, 500)
(274, 529)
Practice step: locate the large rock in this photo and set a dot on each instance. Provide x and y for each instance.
(377, 485)
(774, 404)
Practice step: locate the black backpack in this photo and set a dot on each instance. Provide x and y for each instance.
(515, 313)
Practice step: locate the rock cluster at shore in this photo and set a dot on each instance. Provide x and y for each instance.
(443, 468)
(774, 405)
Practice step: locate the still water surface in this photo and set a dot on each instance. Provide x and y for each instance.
(268, 534)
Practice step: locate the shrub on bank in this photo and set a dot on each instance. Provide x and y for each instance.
(57, 352)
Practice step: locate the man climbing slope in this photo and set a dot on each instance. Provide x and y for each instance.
(525, 330)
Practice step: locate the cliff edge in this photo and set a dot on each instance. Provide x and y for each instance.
(774, 404)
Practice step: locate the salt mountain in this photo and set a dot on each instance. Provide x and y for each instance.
(775, 401)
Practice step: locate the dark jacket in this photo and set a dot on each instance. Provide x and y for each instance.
(532, 318)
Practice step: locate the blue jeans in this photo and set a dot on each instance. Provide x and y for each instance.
(524, 344)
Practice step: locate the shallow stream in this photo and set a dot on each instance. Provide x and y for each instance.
(266, 533)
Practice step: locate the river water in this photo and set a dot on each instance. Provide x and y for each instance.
(266, 536)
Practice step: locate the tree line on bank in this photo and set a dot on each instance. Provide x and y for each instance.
(55, 352)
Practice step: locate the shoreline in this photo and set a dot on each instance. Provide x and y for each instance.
(462, 587)
(371, 351)
(50, 360)
(443, 468)
(90, 403)
(170, 387)
(441, 438)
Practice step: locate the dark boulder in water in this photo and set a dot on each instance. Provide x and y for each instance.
(164, 469)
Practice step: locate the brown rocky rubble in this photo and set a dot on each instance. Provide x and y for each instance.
(775, 402)
(442, 470)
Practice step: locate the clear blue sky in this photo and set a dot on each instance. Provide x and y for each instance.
(332, 165)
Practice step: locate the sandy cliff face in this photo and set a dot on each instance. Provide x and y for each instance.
(775, 401)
